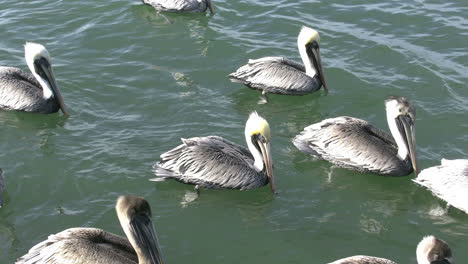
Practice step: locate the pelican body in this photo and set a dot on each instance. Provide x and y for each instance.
(449, 182)
(36, 92)
(355, 144)
(186, 6)
(96, 246)
(279, 75)
(430, 250)
(214, 162)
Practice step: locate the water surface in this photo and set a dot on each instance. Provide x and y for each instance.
(134, 85)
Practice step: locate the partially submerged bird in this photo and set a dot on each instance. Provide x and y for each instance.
(429, 251)
(279, 75)
(355, 144)
(186, 6)
(214, 162)
(96, 246)
(36, 92)
(2, 186)
(449, 182)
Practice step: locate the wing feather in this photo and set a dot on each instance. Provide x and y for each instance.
(81, 245)
(363, 260)
(448, 181)
(210, 162)
(276, 75)
(174, 5)
(18, 89)
(351, 143)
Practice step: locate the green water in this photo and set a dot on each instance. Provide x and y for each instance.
(134, 85)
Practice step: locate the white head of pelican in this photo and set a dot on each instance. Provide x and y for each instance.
(38, 92)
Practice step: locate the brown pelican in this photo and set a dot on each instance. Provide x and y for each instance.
(449, 182)
(2, 186)
(354, 144)
(36, 92)
(279, 75)
(96, 246)
(214, 162)
(429, 251)
(186, 6)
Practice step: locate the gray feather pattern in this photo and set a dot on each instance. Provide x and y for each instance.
(276, 75)
(211, 162)
(448, 181)
(21, 91)
(81, 245)
(177, 5)
(354, 144)
(363, 260)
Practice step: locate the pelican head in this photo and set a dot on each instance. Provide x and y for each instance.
(134, 214)
(432, 250)
(400, 118)
(257, 135)
(38, 60)
(308, 43)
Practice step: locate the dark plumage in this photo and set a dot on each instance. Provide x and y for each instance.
(36, 92)
(279, 75)
(354, 144)
(211, 162)
(20, 91)
(186, 6)
(276, 75)
(430, 250)
(96, 246)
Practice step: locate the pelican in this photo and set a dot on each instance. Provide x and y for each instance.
(430, 250)
(36, 92)
(449, 182)
(355, 144)
(279, 75)
(214, 162)
(96, 246)
(186, 6)
(2, 186)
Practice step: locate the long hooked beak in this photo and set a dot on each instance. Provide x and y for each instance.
(265, 149)
(316, 52)
(406, 127)
(46, 69)
(142, 228)
(208, 2)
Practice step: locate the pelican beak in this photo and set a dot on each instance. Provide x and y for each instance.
(208, 3)
(45, 70)
(317, 61)
(265, 149)
(142, 228)
(406, 127)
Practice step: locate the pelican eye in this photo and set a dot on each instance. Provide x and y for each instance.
(256, 138)
(39, 63)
